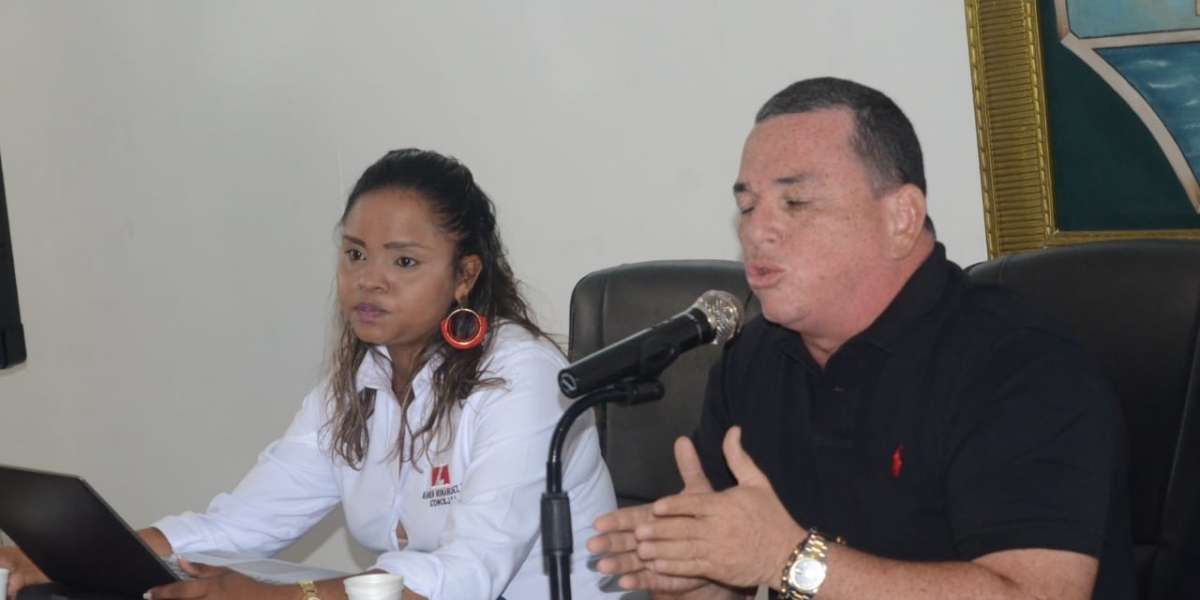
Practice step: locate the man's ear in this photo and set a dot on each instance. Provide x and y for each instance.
(905, 209)
(468, 272)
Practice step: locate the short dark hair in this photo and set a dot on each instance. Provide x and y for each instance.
(883, 137)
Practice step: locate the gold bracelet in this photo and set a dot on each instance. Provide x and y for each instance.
(308, 590)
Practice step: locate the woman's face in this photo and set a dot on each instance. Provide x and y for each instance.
(396, 277)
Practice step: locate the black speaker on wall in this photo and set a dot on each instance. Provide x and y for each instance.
(12, 335)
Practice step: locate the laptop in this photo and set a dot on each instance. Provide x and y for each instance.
(78, 541)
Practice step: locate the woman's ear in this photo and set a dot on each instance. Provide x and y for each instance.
(468, 272)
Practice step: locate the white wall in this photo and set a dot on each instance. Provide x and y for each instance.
(175, 171)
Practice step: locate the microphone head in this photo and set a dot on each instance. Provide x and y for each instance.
(724, 313)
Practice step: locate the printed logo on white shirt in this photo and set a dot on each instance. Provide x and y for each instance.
(440, 476)
(442, 490)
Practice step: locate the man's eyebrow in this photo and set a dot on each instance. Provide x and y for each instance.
(794, 179)
(785, 181)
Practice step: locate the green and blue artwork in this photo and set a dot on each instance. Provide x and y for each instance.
(1123, 103)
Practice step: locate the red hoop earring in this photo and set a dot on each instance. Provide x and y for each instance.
(480, 329)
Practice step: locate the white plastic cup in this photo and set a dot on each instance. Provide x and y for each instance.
(373, 595)
(375, 581)
(3, 583)
(374, 586)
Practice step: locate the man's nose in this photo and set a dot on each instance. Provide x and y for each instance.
(759, 226)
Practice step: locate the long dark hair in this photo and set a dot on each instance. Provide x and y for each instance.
(466, 213)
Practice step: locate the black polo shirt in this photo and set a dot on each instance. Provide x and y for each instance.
(961, 422)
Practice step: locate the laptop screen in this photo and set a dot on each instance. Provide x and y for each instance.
(74, 536)
(77, 540)
(12, 334)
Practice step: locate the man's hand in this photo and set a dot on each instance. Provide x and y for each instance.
(216, 583)
(740, 537)
(21, 571)
(616, 534)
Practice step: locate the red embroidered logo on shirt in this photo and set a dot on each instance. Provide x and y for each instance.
(441, 492)
(897, 461)
(440, 476)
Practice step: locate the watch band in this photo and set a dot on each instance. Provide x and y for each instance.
(308, 590)
(813, 547)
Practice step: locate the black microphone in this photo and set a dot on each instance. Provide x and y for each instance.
(715, 317)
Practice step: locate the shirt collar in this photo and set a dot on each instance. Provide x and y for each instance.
(375, 372)
(916, 299)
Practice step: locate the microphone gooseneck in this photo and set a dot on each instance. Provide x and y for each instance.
(557, 540)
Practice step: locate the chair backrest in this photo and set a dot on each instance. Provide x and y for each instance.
(611, 304)
(1135, 305)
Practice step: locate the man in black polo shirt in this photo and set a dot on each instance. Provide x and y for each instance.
(886, 429)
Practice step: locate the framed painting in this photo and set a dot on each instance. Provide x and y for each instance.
(1088, 119)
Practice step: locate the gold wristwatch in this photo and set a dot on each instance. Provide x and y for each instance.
(805, 569)
(308, 590)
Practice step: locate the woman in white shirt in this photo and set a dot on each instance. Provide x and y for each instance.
(433, 428)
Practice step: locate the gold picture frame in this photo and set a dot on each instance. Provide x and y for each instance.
(1003, 38)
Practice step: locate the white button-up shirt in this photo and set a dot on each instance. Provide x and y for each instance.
(470, 506)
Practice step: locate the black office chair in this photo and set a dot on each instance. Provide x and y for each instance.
(1134, 304)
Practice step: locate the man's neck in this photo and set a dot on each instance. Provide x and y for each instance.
(856, 316)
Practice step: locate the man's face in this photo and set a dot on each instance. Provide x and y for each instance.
(814, 237)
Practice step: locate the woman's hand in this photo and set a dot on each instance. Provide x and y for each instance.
(219, 583)
(21, 571)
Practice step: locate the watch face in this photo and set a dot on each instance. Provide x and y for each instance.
(807, 574)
